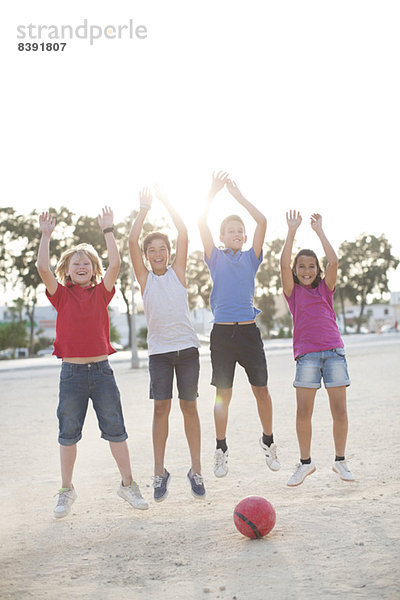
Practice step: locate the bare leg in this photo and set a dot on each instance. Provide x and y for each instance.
(305, 406)
(221, 409)
(67, 460)
(120, 452)
(192, 430)
(337, 401)
(160, 433)
(264, 407)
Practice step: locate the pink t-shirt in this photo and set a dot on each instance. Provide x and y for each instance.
(82, 326)
(314, 320)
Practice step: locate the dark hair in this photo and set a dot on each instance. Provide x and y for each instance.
(226, 221)
(311, 253)
(156, 235)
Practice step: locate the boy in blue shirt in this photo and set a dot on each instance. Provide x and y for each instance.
(235, 338)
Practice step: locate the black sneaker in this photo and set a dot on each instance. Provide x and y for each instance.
(197, 485)
(160, 485)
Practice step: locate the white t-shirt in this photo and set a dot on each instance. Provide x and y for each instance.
(167, 314)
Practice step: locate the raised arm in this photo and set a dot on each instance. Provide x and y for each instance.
(182, 241)
(106, 223)
(218, 182)
(293, 219)
(46, 224)
(331, 256)
(140, 269)
(259, 234)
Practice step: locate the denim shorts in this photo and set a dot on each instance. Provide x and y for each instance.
(78, 383)
(185, 364)
(331, 365)
(231, 344)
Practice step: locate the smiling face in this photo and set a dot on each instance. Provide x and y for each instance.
(306, 269)
(157, 253)
(80, 269)
(233, 235)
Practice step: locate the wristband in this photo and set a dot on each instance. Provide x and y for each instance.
(108, 230)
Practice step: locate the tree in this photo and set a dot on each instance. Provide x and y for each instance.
(13, 335)
(268, 283)
(199, 283)
(364, 267)
(18, 256)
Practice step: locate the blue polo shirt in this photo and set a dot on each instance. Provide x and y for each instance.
(233, 277)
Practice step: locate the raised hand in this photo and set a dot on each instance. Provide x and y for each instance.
(293, 219)
(145, 197)
(46, 223)
(160, 193)
(232, 188)
(316, 222)
(218, 181)
(106, 218)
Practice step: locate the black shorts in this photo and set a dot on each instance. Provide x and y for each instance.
(231, 344)
(186, 366)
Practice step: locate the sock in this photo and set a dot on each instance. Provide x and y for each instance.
(268, 439)
(305, 461)
(221, 444)
(339, 458)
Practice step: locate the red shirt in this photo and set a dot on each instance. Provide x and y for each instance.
(83, 326)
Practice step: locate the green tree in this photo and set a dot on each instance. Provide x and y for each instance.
(199, 283)
(13, 335)
(268, 283)
(19, 253)
(363, 270)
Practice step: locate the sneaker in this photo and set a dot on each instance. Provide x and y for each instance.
(160, 485)
(340, 467)
(301, 472)
(197, 484)
(271, 458)
(131, 494)
(220, 463)
(66, 498)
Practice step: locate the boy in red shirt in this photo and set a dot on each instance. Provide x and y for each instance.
(82, 341)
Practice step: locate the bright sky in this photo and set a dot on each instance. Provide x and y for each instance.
(299, 100)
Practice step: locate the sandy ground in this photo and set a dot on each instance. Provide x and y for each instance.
(331, 539)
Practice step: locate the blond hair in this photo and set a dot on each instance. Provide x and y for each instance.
(81, 249)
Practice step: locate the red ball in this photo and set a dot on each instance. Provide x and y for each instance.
(254, 516)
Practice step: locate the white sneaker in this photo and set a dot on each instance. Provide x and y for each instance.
(131, 494)
(66, 498)
(301, 472)
(220, 463)
(340, 467)
(271, 458)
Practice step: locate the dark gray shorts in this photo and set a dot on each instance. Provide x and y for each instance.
(231, 344)
(186, 366)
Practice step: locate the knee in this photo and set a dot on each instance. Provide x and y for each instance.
(188, 408)
(161, 408)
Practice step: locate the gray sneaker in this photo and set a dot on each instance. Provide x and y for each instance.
(197, 485)
(131, 494)
(301, 472)
(66, 498)
(160, 485)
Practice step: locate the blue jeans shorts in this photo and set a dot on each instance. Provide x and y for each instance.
(185, 364)
(331, 365)
(231, 344)
(78, 383)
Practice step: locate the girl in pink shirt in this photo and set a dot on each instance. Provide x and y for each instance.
(317, 344)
